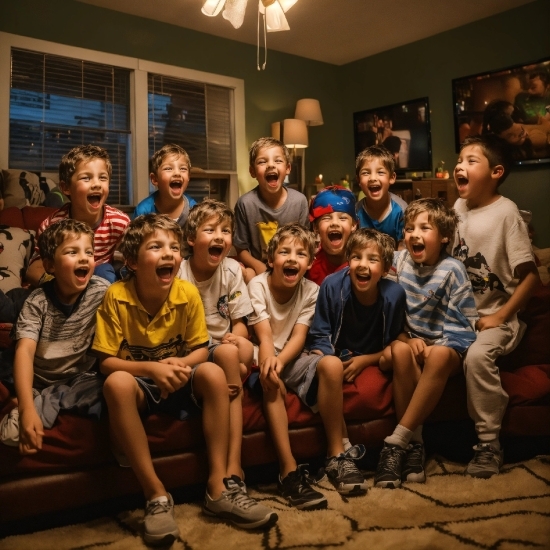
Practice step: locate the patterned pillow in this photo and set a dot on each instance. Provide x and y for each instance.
(16, 247)
(22, 188)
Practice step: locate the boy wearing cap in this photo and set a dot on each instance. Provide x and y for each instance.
(332, 213)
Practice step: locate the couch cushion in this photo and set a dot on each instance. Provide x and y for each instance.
(21, 188)
(33, 216)
(12, 216)
(16, 248)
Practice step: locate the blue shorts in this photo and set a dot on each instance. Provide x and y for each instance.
(182, 403)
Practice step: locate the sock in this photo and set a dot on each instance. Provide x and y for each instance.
(495, 443)
(159, 499)
(347, 444)
(400, 436)
(417, 435)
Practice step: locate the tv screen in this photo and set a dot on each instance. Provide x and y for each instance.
(403, 128)
(513, 103)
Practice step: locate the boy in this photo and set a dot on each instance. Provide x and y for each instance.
(53, 367)
(208, 232)
(152, 340)
(268, 206)
(170, 170)
(375, 172)
(332, 212)
(84, 175)
(284, 304)
(439, 328)
(502, 270)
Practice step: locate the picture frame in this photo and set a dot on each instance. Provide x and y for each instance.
(513, 103)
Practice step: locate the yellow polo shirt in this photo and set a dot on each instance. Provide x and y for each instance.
(125, 330)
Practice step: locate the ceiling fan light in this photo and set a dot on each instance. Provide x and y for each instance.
(274, 17)
(212, 7)
(234, 12)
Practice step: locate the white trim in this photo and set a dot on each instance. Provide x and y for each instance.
(138, 104)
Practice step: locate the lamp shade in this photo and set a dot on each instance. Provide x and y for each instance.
(310, 111)
(212, 7)
(276, 130)
(294, 133)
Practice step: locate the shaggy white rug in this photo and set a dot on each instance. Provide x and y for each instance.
(450, 511)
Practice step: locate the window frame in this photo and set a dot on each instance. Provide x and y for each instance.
(139, 173)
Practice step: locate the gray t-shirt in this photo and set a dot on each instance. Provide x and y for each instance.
(62, 341)
(256, 223)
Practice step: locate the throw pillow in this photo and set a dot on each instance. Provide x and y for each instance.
(22, 188)
(16, 247)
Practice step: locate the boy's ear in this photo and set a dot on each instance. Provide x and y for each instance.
(288, 168)
(252, 171)
(191, 241)
(445, 240)
(393, 177)
(497, 171)
(65, 189)
(131, 264)
(48, 265)
(153, 178)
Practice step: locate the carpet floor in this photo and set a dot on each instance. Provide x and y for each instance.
(450, 511)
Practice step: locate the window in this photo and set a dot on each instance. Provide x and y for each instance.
(57, 103)
(59, 96)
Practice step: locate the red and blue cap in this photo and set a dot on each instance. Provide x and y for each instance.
(332, 199)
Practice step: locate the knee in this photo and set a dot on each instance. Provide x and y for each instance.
(209, 375)
(330, 367)
(118, 384)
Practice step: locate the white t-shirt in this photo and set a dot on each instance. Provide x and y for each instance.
(491, 241)
(224, 296)
(282, 317)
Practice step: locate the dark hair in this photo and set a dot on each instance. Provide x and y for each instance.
(82, 153)
(497, 150)
(141, 227)
(392, 144)
(363, 237)
(263, 143)
(169, 149)
(439, 215)
(543, 75)
(54, 235)
(381, 153)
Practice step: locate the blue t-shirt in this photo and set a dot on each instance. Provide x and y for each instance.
(147, 206)
(392, 224)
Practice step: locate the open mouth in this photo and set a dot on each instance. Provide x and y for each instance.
(290, 272)
(335, 237)
(215, 252)
(375, 188)
(418, 248)
(461, 180)
(94, 200)
(363, 277)
(176, 185)
(164, 273)
(272, 179)
(81, 273)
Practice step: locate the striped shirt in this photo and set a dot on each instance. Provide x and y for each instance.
(106, 235)
(440, 302)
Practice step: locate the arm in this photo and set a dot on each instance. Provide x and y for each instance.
(529, 279)
(34, 273)
(357, 364)
(322, 329)
(244, 256)
(267, 359)
(31, 429)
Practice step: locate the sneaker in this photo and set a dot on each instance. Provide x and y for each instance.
(344, 474)
(9, 428)
(390, 463)
(160, 526)
(413, 467)
(296, 488)
(240, 509)
(486, 462)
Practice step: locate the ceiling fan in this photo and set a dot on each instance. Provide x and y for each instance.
(272, 12)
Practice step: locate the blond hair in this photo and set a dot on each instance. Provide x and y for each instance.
(361, 238)
(292, 231)
(170, 149)
(263, 143)
(439, 215)
(56, 233)
(208, 208)
(82, 153)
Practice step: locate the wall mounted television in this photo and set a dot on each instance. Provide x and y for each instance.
(513, 103)
(403, 128)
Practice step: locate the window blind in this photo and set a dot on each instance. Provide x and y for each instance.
(57, 103)
(194, 115)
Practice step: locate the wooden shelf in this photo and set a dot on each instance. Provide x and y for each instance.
(410, 190)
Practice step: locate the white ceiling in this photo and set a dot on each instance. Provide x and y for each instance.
(333, 31)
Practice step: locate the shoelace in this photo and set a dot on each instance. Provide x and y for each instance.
(390, 457)
(484, 454)
(240, 499)
(156, 507)
(415, 455)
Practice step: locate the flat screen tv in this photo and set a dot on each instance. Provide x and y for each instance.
(513, 103)
(403, 128)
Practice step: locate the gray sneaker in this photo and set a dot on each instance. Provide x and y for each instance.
(344, 474)
(486, 462)
(413, 467)
(240, 509)
(160, 526)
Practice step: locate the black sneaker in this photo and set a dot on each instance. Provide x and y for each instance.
(413, 467)
(296, 489)
(486, 463)
(390, 463)
(344, 474)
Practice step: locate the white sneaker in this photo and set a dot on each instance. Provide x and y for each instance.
(159, 522)
(9, 428)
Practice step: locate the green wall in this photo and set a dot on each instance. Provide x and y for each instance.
(427, 67)
(424, 68)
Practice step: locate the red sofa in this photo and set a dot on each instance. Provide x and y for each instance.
(76, 468)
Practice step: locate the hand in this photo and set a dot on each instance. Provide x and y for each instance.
(170, 374)
(489, 321)
(353, 368)
(231, 338)
(31, 432)
(269, 373)
(418, 346)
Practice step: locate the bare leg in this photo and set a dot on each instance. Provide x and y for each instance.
(277, 420)
(210, 386)
(439, 364)
(331, 402)
(227, 357)
(124, 400)
(406, 373)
